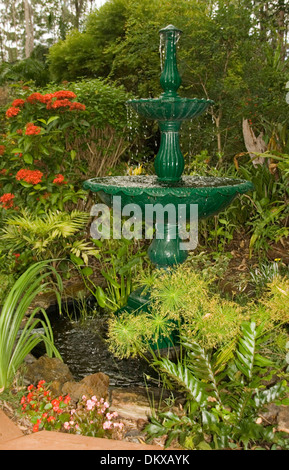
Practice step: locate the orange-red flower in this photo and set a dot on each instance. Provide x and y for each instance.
(76, 105)
(46, 98)
(13, 111)
(59, 179)
(34, 97)
(31, 129)
(36, 426)
(60, 103)
(30, 176)
(18, 102)
(7, 200)
(63, 94)
(2, 149)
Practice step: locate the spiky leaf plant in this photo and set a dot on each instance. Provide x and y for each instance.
(15, 343)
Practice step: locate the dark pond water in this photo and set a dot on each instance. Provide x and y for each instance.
(83, 347)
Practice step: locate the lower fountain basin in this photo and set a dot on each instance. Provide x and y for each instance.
(166, 109)
(211, 194)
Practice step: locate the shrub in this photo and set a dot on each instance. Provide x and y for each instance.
(55, 139)
(58, 235)
(183, 302)
(223, 404)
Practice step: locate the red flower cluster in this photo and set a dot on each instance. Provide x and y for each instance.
(65, 103)
(13, 111)
(3, 171)
(59, 103)
(64, 94)
(48, 98)
(2, 149)
(18, 102)
(30, 176)
(7, 200)
(59, 179)
(31, 129)
(34, 97)
(58, 99)
(39, 404)
(76, 105)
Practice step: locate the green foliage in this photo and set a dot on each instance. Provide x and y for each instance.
(261, 215)
(120, 261)
(30, 69)
(89, 53)
(185, 303)
(104, 101)
(6, 282)
(224, 55)
(222, 403)
(265, 274)
(268, 218)
(72, 58)
(54, 235)
(15, 343)
(275, 300)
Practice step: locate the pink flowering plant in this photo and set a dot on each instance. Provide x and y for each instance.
(90, 417)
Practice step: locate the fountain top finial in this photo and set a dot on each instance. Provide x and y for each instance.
(170, 79)
(169, 29)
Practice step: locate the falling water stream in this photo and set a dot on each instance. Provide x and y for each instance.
(84, 349)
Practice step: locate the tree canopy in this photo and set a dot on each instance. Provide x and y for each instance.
(234, 52)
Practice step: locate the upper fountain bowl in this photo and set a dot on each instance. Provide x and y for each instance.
(170, 109)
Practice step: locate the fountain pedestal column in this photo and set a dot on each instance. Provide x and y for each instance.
(169, 162)
(166, 251)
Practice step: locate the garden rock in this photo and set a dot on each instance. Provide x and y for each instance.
(94, 384)
(283, 419)
(277, 415)
(50, 369)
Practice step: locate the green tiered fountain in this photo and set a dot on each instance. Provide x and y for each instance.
(169, 186)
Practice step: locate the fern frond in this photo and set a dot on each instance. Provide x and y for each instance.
(181, 375)
(246, 349)
(202, 367)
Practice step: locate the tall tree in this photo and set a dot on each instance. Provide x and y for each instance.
(29, 28)
(27, 23)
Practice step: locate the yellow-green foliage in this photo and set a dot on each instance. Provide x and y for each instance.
(184, 299)
(276, 300)
(127, 334)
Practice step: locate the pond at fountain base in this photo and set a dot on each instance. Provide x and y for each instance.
(84, 349)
